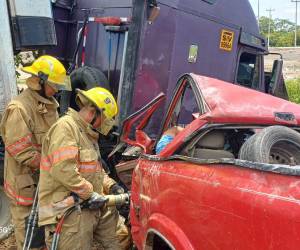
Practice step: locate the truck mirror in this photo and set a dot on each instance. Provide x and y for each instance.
(276, 78)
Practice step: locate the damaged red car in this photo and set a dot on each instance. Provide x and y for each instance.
(228, 180)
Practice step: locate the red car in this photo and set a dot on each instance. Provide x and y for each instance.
(229, 180)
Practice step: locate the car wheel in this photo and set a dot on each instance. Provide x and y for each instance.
(82, 78)
(275, 144)
(6, 228)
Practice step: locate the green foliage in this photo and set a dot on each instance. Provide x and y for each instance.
(24, 59)
(18, 62)
(282, 31)
(282, 39)
(264, 25)
(293, 89)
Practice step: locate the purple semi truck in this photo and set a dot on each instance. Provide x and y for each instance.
(156, 41)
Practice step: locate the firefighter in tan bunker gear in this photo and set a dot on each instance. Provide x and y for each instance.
(26, 120)
(70, 165)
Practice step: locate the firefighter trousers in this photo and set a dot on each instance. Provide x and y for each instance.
(81, 227)
(123, 233)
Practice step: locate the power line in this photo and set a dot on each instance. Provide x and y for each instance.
(296, 19)
(270, 18)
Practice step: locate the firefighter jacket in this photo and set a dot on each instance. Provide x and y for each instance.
(24, 124)
(70, 164)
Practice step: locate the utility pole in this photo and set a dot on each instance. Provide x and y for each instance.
(258, 16)
(270, 18)
(296, 20)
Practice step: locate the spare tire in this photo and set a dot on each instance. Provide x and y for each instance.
(82, 78)
(274, 144)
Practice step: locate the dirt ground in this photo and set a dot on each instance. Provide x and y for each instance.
(9, 244)
(291, 62)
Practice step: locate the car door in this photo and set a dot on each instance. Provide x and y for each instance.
(134, 139)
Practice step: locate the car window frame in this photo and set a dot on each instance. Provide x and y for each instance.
(178, 94)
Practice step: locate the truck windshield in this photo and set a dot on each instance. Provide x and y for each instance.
(248, 70)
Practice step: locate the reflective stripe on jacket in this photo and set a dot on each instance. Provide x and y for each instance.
(24, 124)
(70, 163)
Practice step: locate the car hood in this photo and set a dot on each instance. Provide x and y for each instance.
(229, 103)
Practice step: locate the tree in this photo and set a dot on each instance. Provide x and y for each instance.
(264, 25)
(283, 25)
(281, 31)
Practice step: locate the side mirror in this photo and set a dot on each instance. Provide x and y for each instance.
(277, 86)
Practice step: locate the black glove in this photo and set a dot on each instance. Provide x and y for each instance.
(96, 201)
(116, 189)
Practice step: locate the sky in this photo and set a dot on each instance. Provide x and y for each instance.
(283, 9)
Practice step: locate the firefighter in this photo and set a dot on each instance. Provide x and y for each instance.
(71, 168)
(25, 121)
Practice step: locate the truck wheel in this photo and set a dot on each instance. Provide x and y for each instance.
(82, 78)
(6, 228)
(275, 144)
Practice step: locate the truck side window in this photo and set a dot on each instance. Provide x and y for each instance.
(248, 70)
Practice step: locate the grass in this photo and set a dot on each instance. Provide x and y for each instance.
(293, 89)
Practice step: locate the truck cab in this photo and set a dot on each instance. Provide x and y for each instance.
(160, 41)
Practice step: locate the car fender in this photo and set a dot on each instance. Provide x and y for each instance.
(169, 231)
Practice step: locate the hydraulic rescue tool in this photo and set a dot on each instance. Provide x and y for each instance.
(94, 203)
(34, 236)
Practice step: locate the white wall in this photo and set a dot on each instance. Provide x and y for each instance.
(8, 85)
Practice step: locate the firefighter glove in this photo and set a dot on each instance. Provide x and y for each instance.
(97, 201)
(116, 189)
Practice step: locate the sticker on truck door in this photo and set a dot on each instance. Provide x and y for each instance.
(226, 41)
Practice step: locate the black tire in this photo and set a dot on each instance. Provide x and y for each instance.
(275, 144)
(6, 227)
(82, 78)
(244, 149)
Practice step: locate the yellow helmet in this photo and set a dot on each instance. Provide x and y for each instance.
(51, 69)
(102, 99)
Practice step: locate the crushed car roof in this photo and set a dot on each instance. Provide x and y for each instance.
(230, 103)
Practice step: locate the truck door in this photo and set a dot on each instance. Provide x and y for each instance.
(260, 71)
(273, 75)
